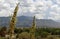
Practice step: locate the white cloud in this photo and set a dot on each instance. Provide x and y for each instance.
(40, 8)
(40, 16)
(5, 13)
(55, 8)
(58, 1)
(54, 16)
(2, 1)
(5, 7)
(54, 13)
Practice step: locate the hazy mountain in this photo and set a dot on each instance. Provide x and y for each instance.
(24, 21)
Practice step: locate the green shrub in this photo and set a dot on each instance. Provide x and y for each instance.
(44, 34)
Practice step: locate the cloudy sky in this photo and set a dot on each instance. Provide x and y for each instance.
(42, 9)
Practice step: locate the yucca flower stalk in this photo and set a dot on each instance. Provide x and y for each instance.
(13, 22)
(33, 29)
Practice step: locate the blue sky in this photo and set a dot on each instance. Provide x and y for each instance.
(42, 9)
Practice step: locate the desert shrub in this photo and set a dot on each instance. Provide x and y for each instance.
(26, 30)
(52, 37)
(24, 35)
(18, 30)
(44, 34)
(3, 31)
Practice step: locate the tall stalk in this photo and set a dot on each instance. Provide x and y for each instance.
(13, 22)
(33, 29)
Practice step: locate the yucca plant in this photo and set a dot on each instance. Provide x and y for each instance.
(33, 29)
(13, 22)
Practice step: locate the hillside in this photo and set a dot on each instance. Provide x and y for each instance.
(24, 21)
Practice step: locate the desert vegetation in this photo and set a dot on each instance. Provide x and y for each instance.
(25, 33)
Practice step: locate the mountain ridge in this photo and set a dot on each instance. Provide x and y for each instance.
(24, 21)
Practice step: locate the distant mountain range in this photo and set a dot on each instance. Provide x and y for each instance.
(24, 21)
